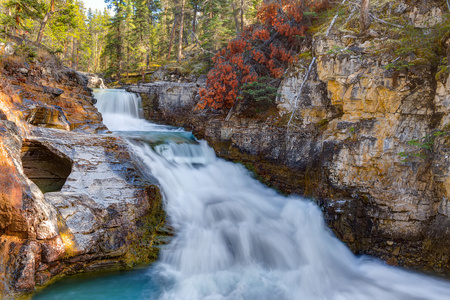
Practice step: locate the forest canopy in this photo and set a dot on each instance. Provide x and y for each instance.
(129, 35)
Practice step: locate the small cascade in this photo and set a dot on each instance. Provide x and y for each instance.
(118, 102)
(102, 84)
(122, 111)
(190, 154)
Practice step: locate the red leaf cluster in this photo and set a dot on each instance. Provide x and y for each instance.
(263, 49)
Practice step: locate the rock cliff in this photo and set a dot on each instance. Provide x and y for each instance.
(71, 200)
(368, 141)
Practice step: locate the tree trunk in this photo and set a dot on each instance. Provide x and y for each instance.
(16, 29)
(128, 61)
(78, 56)
(242, 15)
(95, 54)
(72, 59)
(171, 36)
(180, 37)
(45, 20)
(6, 27)
(65, 49)
(41, 30)
(235, 16)
(194, 18)
(119, 51)
(364, 18)
(164, 29)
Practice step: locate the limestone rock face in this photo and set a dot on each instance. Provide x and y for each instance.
(48, 116)
(25, 217)
(94, 81)
(165, 98)
(49, 95)
(352, 121)
(314, 104)
(381, 113)
(99, 210)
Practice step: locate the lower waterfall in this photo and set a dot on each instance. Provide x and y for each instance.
(237, 239)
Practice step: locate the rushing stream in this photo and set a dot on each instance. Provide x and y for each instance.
(236, 239)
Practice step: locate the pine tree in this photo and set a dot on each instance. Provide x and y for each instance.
(141, 33)
(47, 16)
(114, 38)
(181, 29)
(22, 11)
(364, 15)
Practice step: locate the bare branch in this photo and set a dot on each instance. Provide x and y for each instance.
(300, 92)
(333, 21)
(197, 42)
(377, 19)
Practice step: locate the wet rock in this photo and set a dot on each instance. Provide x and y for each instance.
(9, 48)
(28, 259)
(48, 116)
(95, 81)
(165, 97)
(54, 91)
(98, 211)
(104, 196)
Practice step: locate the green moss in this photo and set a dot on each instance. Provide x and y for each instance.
(322, 123)
(142, 250)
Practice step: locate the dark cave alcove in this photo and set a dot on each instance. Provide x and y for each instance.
(47, 169)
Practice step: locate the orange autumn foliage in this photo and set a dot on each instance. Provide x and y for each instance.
(263, 49)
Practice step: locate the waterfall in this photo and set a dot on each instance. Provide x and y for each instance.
(118, 102)
(122, 111)
(237, 239)
(102, 84)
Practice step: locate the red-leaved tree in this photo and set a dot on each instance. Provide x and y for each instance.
(263, 49)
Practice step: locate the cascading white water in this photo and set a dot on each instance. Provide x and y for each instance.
(237, 239)
(121, 111)
(102, 84)
(118, 102)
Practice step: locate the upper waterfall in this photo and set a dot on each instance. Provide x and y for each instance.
(118, 102)
(122, 111)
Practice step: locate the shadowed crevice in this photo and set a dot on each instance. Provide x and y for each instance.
(47, 169)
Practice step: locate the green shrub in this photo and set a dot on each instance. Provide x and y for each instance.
(260, 90)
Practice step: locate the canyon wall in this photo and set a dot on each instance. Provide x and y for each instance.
(369, 143)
